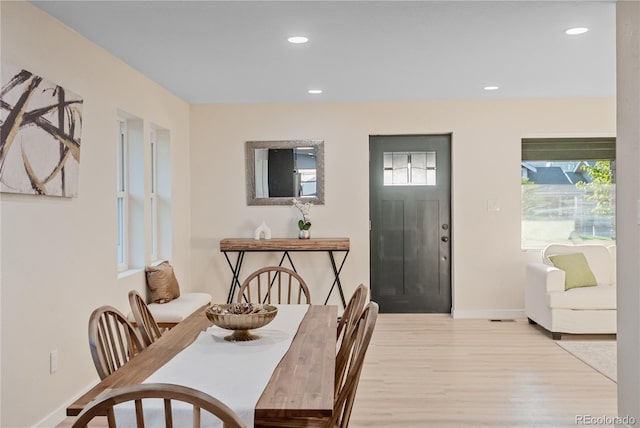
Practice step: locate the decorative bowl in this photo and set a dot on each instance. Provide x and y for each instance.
(241, 318)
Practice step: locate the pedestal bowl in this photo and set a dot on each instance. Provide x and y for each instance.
(241, 318)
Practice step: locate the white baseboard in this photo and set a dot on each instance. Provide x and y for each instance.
(58, 415)
(489, 314)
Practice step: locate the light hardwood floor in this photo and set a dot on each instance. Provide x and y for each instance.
(434, 371)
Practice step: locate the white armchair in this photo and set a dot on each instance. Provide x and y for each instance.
(583, 310)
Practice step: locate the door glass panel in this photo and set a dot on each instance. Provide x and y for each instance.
(409, 168)
(418, 163)
(431, 177)
(431, 160)
(400, 168)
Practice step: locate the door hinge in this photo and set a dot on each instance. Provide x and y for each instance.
(369, 225)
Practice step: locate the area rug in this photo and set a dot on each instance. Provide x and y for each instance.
(599, 354)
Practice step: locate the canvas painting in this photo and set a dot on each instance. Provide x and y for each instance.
(40, 127)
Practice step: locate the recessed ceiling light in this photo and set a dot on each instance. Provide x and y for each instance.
(298, 39)
(315, 91)
(576, 31)
(491, 88)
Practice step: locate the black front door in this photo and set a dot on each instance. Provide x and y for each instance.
(410, 240)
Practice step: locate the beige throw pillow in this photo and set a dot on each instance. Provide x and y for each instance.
(162, 283)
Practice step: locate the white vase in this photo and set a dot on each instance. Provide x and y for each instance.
(262, 232)
(304, 234)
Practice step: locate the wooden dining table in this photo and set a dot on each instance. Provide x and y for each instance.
(299, 393)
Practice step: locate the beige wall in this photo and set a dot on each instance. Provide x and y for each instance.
(488, 264)
(59, 254)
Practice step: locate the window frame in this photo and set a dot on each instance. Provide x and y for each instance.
(153, 197)
(122, 197)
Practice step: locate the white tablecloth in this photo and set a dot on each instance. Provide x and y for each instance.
(234, 372)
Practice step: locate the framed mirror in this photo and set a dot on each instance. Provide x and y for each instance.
(278, 171)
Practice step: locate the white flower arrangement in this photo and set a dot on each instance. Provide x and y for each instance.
(305, 208)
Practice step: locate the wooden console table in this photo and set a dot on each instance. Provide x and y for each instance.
(286, 245)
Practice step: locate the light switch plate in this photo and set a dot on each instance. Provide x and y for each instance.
(493, 205)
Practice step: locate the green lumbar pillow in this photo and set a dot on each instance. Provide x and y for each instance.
(578, 273)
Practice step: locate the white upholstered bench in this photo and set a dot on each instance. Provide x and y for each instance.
(167, 315)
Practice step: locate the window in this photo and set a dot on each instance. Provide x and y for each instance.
(568, 191)
(122, 197)
(153, 197)
(129, 193)
(159, 194)
(409, 168)
(144, 224)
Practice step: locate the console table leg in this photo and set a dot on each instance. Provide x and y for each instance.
(235, 280)
(290, 261)
(336, 272)
(287, 256)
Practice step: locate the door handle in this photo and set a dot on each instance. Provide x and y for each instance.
(445, 239)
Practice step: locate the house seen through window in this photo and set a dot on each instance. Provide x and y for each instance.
(568, 191)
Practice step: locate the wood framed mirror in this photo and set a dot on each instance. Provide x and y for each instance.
(278, 171)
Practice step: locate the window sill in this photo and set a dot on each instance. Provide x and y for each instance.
(128, 272)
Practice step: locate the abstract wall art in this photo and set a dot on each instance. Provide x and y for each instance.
(40, 127)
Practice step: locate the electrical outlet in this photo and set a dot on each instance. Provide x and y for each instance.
(53, 361)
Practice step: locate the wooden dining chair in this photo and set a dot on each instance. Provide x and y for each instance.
(112, 340)
(146, 324)
(200, 401)
(274, 284)
(349, 363)
(351, 312)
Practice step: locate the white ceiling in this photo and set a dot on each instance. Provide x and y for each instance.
(237, 52)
